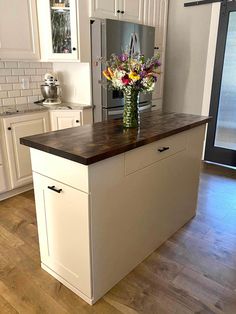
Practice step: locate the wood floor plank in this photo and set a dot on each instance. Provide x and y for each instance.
(193, 272)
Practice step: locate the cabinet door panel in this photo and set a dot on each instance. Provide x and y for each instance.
(19, 155)
(63, 120)
(161, 25)
(151, 12)
(104, 8)
(18, 16)
(3, 184)
(64, 231)
(133, 10)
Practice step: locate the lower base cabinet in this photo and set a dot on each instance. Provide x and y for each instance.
(18, 156)
(95, 229)
(63, 222)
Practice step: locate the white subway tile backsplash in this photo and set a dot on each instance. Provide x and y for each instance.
(23, 65)
(8, 101)
(4, 72)
(26, 92)
(32, 99)
(3, 94)
(30, 72)
(14, 93)
(35, 65)
(36, 92)
(36, 78)
(11, 64)
(46, 65)
(18, 71)
(5, 86)
(21, 100)
(17, 86)
(12, 79)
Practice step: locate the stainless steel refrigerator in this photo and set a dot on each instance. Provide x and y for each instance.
(111, 36)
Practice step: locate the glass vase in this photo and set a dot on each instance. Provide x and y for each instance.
(131, 117)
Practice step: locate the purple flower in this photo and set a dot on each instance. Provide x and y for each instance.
(123, 57)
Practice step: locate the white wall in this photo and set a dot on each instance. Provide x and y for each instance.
(75, 81)
(191, 40)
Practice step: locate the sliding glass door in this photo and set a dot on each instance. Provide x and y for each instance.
(221, 137)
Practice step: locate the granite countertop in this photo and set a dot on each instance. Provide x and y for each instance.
(91, 143)
(23, 109)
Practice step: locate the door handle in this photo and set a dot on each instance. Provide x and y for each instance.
(53, 188)
(163, 149)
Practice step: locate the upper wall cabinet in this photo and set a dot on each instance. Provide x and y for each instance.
(128, 10)
(64, 30)
(155, 14)
(18, 30)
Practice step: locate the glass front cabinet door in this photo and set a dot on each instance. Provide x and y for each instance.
(58, 23)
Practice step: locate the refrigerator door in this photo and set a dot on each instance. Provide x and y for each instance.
(118, 36)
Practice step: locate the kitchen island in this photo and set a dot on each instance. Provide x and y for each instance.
(107, 197)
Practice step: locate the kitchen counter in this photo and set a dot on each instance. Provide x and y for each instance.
(107, 197)
(92, 143)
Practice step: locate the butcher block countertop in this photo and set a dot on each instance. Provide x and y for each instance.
(92, 143)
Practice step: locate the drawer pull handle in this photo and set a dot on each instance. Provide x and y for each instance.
(53, 188)
(163, 149)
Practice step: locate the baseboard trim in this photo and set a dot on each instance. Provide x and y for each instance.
(15, 192)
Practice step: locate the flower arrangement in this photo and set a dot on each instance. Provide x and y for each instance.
(125, 72)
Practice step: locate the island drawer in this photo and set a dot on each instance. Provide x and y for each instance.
(60, 169)
(144, 156)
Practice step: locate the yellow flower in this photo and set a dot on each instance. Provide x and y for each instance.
(134, 76)
(110, 72)
(107, 75)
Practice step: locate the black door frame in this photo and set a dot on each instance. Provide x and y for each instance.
(213, 153)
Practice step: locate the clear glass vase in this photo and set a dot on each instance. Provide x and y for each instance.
(131, 117)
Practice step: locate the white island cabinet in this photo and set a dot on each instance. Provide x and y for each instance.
(99, 217)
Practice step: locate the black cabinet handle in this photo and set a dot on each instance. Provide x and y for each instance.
(77, 121)
(122, 12)
(9, 128)
(74, 49)
(163, 149)
(118, 11)
(53, 188)
(156, 48)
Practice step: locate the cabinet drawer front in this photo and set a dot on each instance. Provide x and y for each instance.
(63, 223)
(144, 156)
(60, 169)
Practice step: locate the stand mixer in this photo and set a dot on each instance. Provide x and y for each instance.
(51, 89)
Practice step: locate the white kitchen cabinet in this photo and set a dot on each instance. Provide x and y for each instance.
(127, 10)
(84, 235)
(63, 119)
(105, 9)
(63, 222)
(58, 29)
(132, 10)
(3, 183)
(18, 156)
(18, 30)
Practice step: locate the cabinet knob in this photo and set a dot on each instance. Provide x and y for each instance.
(156, 48)
(122, 12)
(9, 128)
(118, 11)
(74, 49)
(77, 121)
(163, 149)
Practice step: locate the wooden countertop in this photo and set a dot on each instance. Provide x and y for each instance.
(91, 143)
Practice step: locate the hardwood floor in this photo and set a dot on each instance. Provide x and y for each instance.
(193, 272)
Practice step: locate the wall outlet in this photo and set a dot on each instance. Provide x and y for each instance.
(25, 83)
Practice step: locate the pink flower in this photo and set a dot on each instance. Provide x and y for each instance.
(125, 80)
